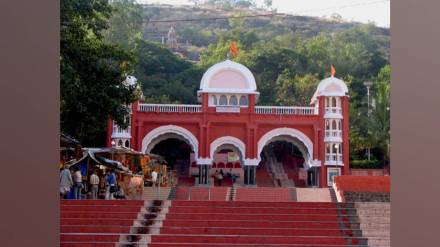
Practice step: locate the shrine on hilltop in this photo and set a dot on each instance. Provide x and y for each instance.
(228, 130)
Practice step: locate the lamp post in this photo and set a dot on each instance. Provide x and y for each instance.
(113, 146)
(368, 84)
(337, 153)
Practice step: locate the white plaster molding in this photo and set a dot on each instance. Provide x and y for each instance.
(204, 161)
(333, 163)
(324, 84)
(332, 139)
(169, 129)
(251, 162)
(234, 141)
(228, 65)
(331, 115)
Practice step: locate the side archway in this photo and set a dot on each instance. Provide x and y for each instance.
(160, 133)
(304, 144)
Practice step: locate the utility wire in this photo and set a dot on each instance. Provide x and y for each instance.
(147, 21)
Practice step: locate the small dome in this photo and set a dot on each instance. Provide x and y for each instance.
(130, 81)
(331, 86)
(228, 77)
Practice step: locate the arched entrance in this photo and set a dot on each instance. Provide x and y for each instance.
(228, 155)
(285, 154)
(177, 145)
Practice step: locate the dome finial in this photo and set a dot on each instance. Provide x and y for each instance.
(332, 70)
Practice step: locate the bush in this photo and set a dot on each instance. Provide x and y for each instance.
(366, 164)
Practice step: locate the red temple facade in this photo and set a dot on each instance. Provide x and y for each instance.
(228, 116)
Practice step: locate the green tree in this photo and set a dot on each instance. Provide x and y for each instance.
(295, 90)
(91, 72)
(125, 24)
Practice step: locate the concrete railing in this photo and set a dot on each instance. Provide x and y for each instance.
(169, 108)
(285, 110)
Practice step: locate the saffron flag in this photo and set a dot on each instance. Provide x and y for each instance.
(332, 70)
(233, 49)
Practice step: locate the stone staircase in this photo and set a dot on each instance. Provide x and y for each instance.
(374, 219)
(280, 177)
(263, 224)
(155, 193)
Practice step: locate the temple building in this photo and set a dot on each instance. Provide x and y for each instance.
(296, 145)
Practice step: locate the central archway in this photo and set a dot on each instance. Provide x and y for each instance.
(228, 154)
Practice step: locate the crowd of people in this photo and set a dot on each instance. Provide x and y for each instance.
(74, 181)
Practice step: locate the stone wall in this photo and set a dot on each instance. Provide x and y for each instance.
(367, 196)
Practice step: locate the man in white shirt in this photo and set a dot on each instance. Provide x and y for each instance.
(154, 178)
(65, 182)
(77, 179)
(94, 182)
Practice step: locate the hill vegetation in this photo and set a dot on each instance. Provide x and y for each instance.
(288, 55)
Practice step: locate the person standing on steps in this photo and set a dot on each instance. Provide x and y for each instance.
(66, 182)
(94, 182)
(154, 178)
(220, 177)
(77, 178)
(110, 181)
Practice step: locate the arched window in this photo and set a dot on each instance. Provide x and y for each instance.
(339, 125)
(335, 148)
(214, 100)
(327, 125)
(243, 100)
(233, 100)
(127, 144)
(328, 148)
(334, 102)
(327, 102)
(334, 125)
(120, 143)
(223, 100)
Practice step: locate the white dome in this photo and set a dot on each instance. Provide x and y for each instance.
(130, 81)
(228, 77)
(331, 86)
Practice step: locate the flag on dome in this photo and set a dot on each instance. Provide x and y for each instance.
(332, 70)
(233, 49)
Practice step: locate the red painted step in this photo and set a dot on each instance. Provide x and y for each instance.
(102, 202)
(97, 222)
(274, 217)
(83, 244)
(99, 208)
(239, 245)
(251, 224)
(251, 210)
(98, 215)
(89, 238)
(249, 231)
(95, 229)
(257, 204)
(247, 239)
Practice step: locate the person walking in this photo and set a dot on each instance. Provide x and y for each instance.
(66, 182)
(77, 179)
(94, 182)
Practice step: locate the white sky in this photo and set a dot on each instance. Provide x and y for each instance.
(377, 11)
